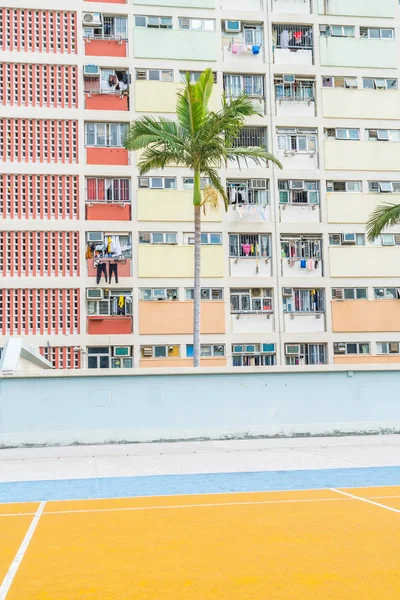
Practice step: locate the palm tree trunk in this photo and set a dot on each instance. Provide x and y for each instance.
(197, 267)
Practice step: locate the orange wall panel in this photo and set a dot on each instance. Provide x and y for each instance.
(106, 102)
(105, 48)
(107, 156)
(173, 317)
(124, 269)
(359, 316)
(151, 363)
(365, 360)
(103, 211)
(109, 325)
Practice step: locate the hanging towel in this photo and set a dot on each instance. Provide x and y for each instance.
(310, 265)
(284, 39)
(121, 301)
(303, 264)
(291, 262)
(234, 48)
(109, 244)
(116, 246)
(246, 248)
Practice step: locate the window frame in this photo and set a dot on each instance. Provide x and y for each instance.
(210, 292)
(202, 20)
(152, 26)
(95, 126)
(358, 348)
(155, 233)
(158, 297)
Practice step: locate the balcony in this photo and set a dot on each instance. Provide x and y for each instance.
(248, 201)
(292, 44)
(294, 96)
(299, 201)
(358, 52)
(297, 149)
(162, 260)
(105, 46)
(108, 199)
(250, 255)
(304, 322)
(303, 310)
(106, 89)
(175, 44)
(160, 96)
(364, 261)
(176, 318)
(107, 211)
(301, 256)
(349, 155)
(252, 310)
(108, 325)
(243, 42)
(108, 255)
(357, 8)
(291, 6)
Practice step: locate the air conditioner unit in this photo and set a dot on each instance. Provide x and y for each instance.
(292, 349)
(289, 78)
(91, 70)
(266, 348)
(95, 236)
(287, 291)
(141, 74)
(94, 294)
(205, 293)
(296, 184)
(220, 348)
(191, 240)
(144, 238)
(91, 19)
(329, 186)
(323, 28)
(349, 238)
(339, 348)
(330, 132)
(184, 23)
(172, 294)
(256, 292)
(393, 347)
(147, 351)
(337, 294)
(258, 184)
(143, 182)
(122, 351)
(233, 26)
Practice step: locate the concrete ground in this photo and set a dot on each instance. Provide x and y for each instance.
(81, 462)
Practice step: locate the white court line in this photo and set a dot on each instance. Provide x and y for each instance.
(12, 571)
(362, 500)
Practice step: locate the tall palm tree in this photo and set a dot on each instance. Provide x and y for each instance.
(202, 141)
(383, 216)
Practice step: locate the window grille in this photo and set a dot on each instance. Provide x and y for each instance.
(252, 136)
(249, 245)
(295, 37)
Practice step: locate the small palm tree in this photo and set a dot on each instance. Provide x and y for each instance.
(202, 141)
(383, 216)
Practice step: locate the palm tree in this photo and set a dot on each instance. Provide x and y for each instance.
(383, 216)
(202, 141)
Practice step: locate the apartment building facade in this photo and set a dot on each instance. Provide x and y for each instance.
(97, 261)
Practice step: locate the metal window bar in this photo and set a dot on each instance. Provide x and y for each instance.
(299, 91)
(254, 360)
(241, 194)
(305, 301)
(301, 248)
(251, 136)
(249, 245)
(294, 37)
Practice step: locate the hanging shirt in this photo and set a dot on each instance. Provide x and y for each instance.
(284, 39)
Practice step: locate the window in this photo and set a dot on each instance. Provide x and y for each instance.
(251, 136)
(347, 239)
(347, 134)
(337, 30)
(344, 186)
(188, 183)
(194, 76)
(252, 85)
(107, 190)
(249, 245)
(250, 192)
(196, 24)
(251, 300)
(253, 35)
(339, 82)
(379, 83)
(349, 293)
(386, 293)
(159, 294)
(163, 351)
(387, 348)
(206, 350)
(296, 140)
(106, 134)
(158, 237)
(305, 354)
(158, 183)
(298, 90)
(206, 294)
(111, 27)
(351, 348)
(293, 37)
(211, 238)
(304, 301)
(114, 303)
(99, 357)
(298, 192)
(153, 22)
(253, 355)
(155, 74)
(384, 187)
(383, 135)
(298, 247)
(376, 33)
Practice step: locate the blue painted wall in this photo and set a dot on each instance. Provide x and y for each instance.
(145, 408)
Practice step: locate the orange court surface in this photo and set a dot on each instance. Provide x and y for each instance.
(320, 544)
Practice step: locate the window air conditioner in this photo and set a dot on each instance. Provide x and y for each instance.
(289, 78)
(296, 184)
(330, 132)
(172, 295)
(141, 74)
(268, 348)
(256, 292)
(287, 291)
(337, 294)
(349, 238)
(122, 351)
(393, 347)
(329, 186)
(91, 19)
(339, 348)
(292, 349)
(233, 26)
(147, 351)
(258, 184)
(94, 294)
(91, 70)
(143, 182)
(95, 236)
(191, 240)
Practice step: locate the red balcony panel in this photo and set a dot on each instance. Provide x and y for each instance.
(107, 156)
(124, 268)
(103, 211)
(105, 47)
(106, 102)
(108, 325)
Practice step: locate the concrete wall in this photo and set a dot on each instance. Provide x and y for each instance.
(360, 104)
(233, 403)
(177, 44)
(360, 8)
(357, 52)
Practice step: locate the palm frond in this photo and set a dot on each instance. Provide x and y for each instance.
(159, 158)
(255, 154)
(148, 130)
(216, 183)
(190, 109)
(383, 216)
(204, 87)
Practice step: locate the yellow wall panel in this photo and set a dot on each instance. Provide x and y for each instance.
(360, 104)
(170, 205)
(160, 96)
(361, 261)
(361, 156)
(177, 261)
(354, 208)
